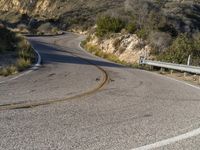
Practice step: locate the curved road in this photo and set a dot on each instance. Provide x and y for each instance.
(99, 105)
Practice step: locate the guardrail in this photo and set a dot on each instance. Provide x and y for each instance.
(172, 66)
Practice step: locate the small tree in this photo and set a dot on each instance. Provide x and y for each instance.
(107, 24)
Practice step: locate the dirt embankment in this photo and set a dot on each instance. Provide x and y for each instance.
(127, 47)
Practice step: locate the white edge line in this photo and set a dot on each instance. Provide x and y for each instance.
(174, 139)
(188, 84)
(35, 67)
(163, 76)
(38, 64)
(170, 140)
(87, 51)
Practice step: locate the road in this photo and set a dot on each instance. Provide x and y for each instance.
(76, 101)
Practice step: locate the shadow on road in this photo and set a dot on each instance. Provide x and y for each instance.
(51, 53)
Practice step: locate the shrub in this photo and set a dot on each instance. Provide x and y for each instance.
(107, 24)
(10, 41)
(159, 41)
(131, 27)
(24, 48)
(5, 71)
(181, 48)
(142, 33)
(46, 27)
(196, 52)
(23, 63)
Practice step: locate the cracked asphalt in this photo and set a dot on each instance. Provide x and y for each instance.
(135, 108)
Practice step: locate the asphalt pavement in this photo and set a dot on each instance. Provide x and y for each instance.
(81, 102)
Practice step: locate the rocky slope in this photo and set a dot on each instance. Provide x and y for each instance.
(63, 13)
(83, 12)
(158, 21)
(54, 8)
(127, 47)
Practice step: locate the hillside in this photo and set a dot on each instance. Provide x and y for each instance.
(162, 24)
(60, 12)
(183, 14)
(54, 8)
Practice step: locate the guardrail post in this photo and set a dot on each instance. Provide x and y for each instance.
(151, 68)
(162, 70)
(189, 58)
(198, 79)
(172, 66)
(141, 61)
(171, 72)
(185, 74)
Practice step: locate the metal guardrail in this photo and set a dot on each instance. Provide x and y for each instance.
(172, 66)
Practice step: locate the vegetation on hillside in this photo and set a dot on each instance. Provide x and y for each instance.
(163, 24)
(107, 24)
(181, 48)
(15, 52)
(173, 37)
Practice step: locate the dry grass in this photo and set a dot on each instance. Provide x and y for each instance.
(22, 64)
(94, 50)
(10, 70)
(24, 55)
(112, 57)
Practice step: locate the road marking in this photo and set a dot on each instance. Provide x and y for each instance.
(175, 139)
(172, 140)
(183, 82)
(158, 144)
(35, 67)
(104, 81)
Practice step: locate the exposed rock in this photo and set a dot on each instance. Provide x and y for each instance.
(128, 47)
(54, 8)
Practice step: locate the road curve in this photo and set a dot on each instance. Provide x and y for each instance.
(135, 109)
(102, 81)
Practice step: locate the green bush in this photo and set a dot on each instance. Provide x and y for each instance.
(142, 33)
(23, 63)
(181, 48)
(131, 27)
(24, 49)
(196, 52)
(8, 70)
(15, 44)
(107, 24)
